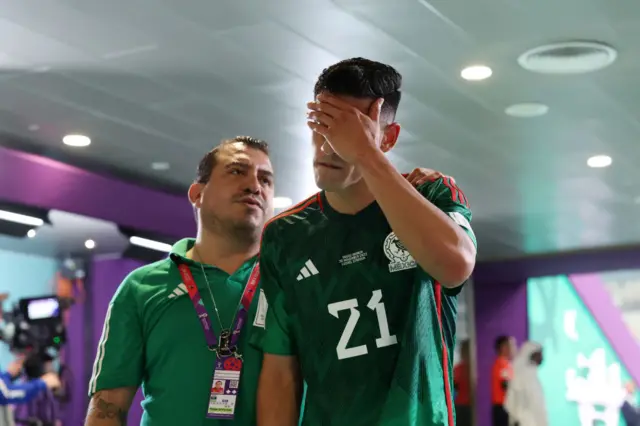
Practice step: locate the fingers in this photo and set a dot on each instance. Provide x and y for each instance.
(320, 118)
(324, 107)
(413, 176)
(318, 128)
(420, 176)
(334, 102)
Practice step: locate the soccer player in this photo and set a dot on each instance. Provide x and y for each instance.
(361, 279)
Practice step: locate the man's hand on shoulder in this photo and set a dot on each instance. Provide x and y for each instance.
(110, 407)
(422, 175)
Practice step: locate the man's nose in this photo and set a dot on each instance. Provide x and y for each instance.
(326, 148)
(253, 184)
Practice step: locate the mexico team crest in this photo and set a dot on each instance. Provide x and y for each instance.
(399, 257)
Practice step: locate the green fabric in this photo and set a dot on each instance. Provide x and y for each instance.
(345, 296)
(152, 337)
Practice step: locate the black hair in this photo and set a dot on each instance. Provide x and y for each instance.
(500, 342)
(34, 364)
(363, 78)
(208, 162)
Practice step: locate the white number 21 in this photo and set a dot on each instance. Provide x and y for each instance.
(375, 304)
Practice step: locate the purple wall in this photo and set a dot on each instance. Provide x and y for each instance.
(499, 309)
(42, 182)
(74, 354)
(106, 276)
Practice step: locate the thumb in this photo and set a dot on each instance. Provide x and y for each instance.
(376, 108)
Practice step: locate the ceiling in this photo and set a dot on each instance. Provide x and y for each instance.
(66, 236)
(164, 80)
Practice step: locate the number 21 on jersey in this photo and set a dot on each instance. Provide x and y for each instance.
(375, 304)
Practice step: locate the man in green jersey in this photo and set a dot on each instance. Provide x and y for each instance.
(152, 335)
(361, 279)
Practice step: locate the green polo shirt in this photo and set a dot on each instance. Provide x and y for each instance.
(152, 337)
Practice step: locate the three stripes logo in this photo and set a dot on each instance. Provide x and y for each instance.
(179, 291)
(307, 270)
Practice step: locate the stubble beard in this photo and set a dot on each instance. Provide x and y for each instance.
(244, 233)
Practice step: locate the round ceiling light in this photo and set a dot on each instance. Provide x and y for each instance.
(527, 110)
(282, 202)
(76, 140)
(571, 57)
(476, 73)
(32, 233)
(160, 165)
(90, 244)
(599, 161)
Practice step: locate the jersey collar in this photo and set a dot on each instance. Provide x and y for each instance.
(180, 249)
(371, 211)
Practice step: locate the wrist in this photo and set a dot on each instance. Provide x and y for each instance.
(372, 162)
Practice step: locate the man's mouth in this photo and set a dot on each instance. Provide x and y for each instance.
(250, 201)
(328, 165)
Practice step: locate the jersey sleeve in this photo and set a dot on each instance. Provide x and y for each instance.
(445, 194)
(119, 358)
(275, 336)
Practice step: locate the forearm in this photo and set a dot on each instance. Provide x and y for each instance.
(279, 395)
(436, 242)
(110, 407)
(20, 393)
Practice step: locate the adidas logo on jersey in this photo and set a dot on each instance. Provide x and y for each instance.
(307, 270)
(179, 291)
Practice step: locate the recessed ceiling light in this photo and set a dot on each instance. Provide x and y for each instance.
(526, 110)
(568, 57)
(76, 140)
(476, 72)
(90, 244)
(160, 165)
(599, 161)
(282, 202)
(31, 233)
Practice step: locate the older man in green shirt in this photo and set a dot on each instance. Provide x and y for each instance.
(165, 334)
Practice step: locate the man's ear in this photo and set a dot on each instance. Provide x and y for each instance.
(390, 137)
(195, 194)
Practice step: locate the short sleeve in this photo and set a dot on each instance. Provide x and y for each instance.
(272, 326)
(119, 358)
(445, 194)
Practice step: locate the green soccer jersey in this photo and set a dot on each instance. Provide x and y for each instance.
(152, 336)
(374, 333)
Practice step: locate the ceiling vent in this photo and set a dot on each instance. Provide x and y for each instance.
(572, 57)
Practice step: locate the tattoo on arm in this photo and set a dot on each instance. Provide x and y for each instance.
(111, 413)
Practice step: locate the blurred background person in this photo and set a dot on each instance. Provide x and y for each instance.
(501, 374)
(630, 411)
(524, 401)
(13, 392)
(462, 385)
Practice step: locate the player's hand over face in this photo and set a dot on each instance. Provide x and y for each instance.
(350, 133)
(421, 175)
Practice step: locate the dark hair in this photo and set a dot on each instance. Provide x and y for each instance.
(34, 364)
(501, 341)
(208, 162)
(363, 78)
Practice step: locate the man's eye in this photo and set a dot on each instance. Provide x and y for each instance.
(235, 171)
(267, 182)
